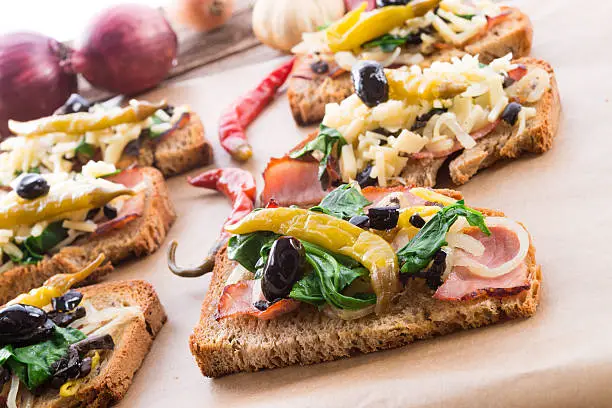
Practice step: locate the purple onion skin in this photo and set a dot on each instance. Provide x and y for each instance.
(126, 49)
(33, 83)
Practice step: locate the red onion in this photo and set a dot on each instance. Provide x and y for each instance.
(32, 82)
(126, 49)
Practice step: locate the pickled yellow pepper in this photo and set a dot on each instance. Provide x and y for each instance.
(56, 286)
(83, 196)
(357, 27)
(81, 122)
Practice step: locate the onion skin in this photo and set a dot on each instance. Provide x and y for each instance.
(126, 49)
(33, 83)
(203, 15)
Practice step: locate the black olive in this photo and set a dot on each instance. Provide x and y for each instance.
(169, 110)
(20, 319)
(75, 103)
(508, 81)
(416, 220)
(133, 147)
(319, 67)
(433, 275)
(510, 114)
(31, 186)
(383, 218)
(102, 342)
(361, 221)
(91, 214)
(85, 367)
(67, 302)
(66, 318)
(285, 266)
(422, 120)
(66, 368)
(109, 212)
(370, 82)
(36, 335)
(363, 177)
(384, 3)
(262, 305)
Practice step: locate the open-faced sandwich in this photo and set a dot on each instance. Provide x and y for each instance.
(75, 348)
(402, 125)
(170, 138)
(399, 33)
(362, 271)
(58, 222)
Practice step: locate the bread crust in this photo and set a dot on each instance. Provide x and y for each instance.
(132, 343)
(185, 149)
(138, 238)
(307, 336)
(307, 98)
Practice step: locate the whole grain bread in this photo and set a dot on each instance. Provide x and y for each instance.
(140, 237)
(307, 336)
(132, 343)
(308, 96)
(184, 149)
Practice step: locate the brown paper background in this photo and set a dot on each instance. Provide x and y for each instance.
(561, 357)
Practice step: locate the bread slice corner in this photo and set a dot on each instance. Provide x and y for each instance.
(132, 343)
(308, 337)
(138, 238)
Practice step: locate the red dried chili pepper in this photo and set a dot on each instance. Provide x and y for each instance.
(236, 184)
(237, 117)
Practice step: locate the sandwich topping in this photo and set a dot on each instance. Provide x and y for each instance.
(53, 340)
(352, 254)
(397, 117)
(398, 34)
(80, 132)
(44, 212)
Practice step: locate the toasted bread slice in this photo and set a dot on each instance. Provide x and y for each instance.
(185, 149)
(133, 341)
(307, 336)
(139, 237)
(308, 97)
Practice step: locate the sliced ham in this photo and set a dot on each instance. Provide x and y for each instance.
(500, 247)
(132, 208)
(477, 134)
(290, 181)
(238, 300)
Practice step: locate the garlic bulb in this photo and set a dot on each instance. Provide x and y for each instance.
(280, 23)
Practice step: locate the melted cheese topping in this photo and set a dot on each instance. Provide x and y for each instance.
(55, 152)
(385, 136)
(454, 22)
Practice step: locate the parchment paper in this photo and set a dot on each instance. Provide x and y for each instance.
(562, 357)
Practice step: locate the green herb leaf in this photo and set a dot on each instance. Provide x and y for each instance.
(34, 248)
(333, 277)
(343, 202)
(325, 142)
(32, 364)
(323, 26)
(247, 249)
(155, 121)
(35, 170)
(417, 253)
(466, 16)
(86, 149)
(387, 42)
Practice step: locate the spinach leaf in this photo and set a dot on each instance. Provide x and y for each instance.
(326, 140)
(35, 170)
(86, 149)
(155, 121)
(343, 202)
(387, 43)
(32, 364)
(246, 249)
(34, 248)
(417, 253)
(264, 253)
(328, 279)
(467, 16)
